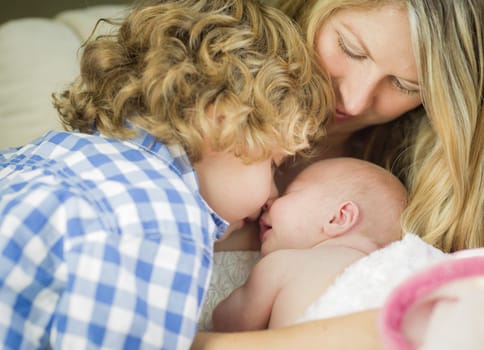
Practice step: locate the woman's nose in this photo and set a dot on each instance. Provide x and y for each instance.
(358, 92)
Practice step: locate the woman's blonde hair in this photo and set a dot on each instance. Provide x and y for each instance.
(170, 62)
(440, 157)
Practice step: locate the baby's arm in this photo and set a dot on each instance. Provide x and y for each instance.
(249, 307)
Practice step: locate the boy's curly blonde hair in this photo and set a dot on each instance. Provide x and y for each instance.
(171, 61)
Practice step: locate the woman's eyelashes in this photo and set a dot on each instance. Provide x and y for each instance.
(355, 54)
(350, 52)
(403, 89)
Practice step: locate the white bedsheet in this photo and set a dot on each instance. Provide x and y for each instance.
(230, 270)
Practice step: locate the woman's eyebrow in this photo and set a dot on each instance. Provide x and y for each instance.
(360, 41)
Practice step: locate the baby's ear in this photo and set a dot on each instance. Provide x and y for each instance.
(343, 220)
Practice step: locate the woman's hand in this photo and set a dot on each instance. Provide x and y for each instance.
(354, 331)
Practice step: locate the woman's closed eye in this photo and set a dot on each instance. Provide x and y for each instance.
(403, 88)
(356, 54)
(348, 50)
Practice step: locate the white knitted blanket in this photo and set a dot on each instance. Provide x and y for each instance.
(367, 283)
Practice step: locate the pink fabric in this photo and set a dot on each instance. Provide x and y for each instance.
(417, 287)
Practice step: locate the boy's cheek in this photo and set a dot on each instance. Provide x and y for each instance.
(254, 216)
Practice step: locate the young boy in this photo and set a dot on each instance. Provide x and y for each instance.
(335, 212)
(176, 121)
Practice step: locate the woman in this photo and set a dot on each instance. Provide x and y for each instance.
(408, 75)
(409, 79)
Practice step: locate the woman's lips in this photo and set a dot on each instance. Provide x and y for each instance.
(341, 116)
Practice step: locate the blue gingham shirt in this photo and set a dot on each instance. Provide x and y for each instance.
(103, 244)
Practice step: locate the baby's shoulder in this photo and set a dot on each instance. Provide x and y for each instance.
(287, 261)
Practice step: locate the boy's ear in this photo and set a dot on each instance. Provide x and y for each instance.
(343, 220)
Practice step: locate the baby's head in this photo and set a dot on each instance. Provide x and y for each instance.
(335, 198)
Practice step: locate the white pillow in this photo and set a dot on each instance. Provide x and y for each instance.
(37, 57)
(82, 21)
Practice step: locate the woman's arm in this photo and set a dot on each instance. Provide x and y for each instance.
(349, 332)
